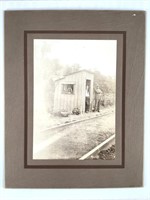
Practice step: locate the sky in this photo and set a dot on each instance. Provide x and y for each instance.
(89, 54)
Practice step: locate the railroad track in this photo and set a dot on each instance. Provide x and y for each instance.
(74, 122)
(46, 142)
(102, 146)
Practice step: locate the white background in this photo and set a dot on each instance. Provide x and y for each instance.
(77, 194)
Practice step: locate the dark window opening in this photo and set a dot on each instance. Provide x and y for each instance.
(68, 88)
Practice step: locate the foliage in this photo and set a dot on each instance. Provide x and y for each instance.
(76, 111)
(105, 83)
(53, 70)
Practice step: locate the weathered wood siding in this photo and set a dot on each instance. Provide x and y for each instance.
(68, 102)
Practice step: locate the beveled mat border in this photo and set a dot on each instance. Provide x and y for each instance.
(71, 166)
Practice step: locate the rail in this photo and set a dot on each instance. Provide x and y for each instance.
(98, 147)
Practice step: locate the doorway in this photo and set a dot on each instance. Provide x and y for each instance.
(87, 95)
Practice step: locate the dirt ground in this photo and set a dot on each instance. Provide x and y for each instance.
(73, 141)
(49, 121)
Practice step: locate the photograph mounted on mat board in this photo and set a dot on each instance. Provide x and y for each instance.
(74, 99)
(76, 94)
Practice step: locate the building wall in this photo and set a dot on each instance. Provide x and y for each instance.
(68, 102)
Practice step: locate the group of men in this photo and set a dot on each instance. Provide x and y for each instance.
(97, 98)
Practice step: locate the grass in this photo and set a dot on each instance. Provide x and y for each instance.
(76, 140)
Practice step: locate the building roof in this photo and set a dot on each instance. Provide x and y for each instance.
(84, 70)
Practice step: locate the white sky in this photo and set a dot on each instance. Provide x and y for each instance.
(89, 54)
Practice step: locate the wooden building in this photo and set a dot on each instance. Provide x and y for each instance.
(73, 91)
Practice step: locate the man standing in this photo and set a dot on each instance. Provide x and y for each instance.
(98, 94)
(87, 99)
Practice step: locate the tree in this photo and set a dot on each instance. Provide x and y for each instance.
(71, 69)
(106, 84)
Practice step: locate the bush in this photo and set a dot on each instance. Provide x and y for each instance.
(76, 111)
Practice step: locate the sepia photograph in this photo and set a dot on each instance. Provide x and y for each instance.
(74, 99)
